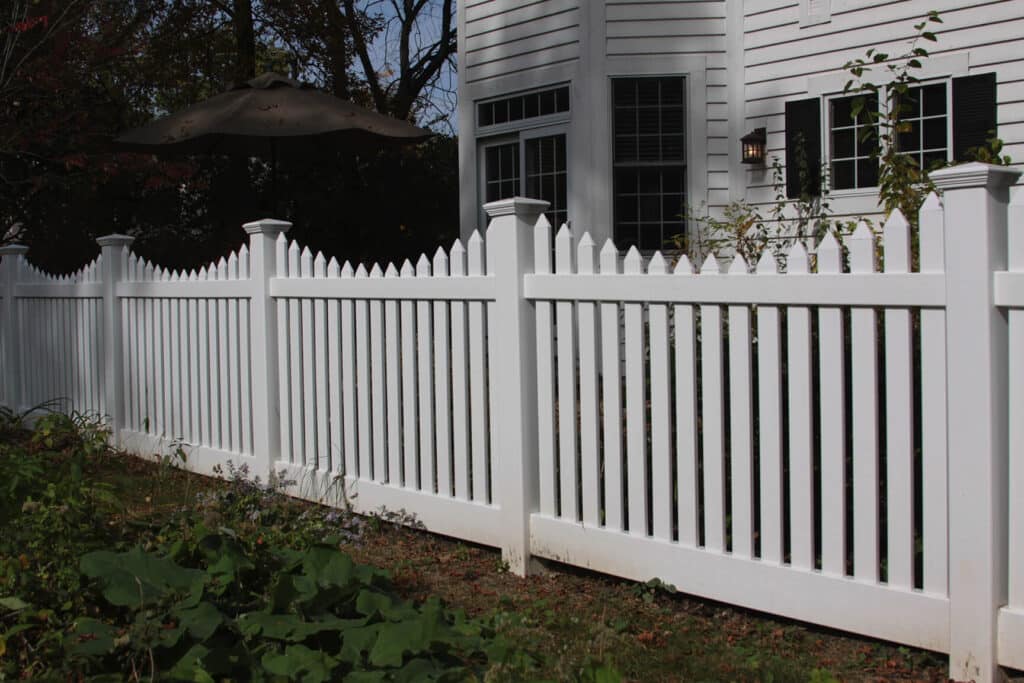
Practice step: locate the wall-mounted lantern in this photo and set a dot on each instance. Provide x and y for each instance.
(753, 146)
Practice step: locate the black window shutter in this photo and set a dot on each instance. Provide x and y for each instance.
(974, 112)
(803, 147)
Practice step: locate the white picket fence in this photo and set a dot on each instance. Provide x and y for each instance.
(832, 443)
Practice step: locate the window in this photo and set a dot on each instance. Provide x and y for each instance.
(942, 120)
(924, 124)
(650, 161)
(852, 144)
(528, 158)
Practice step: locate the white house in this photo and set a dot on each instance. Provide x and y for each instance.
(623, 112)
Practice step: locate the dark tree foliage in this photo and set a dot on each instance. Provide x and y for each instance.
(75, 73)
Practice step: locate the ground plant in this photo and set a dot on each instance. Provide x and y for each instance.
(113, 567)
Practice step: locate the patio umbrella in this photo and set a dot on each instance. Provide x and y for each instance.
(270, 116)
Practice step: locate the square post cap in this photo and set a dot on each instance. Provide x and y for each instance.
(13, 250)
(974, 174)
(267, 226)
(115, 241)
(521, 207)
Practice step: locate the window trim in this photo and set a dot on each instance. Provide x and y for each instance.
(524, 123)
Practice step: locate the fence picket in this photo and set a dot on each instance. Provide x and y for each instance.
(864, 374)
(831, 380)
(392, 360)
(322, 371)
(547, 443)
(234, 363)
(934, 465)
(590, 462)
(334, 376)
(425, 383)
(712, 413)
(460, 381)
(801, 465)
(741, 431)
(350, 434)
(478, 374)
(363, 399)
(685, 351)
(409, 421)
(224, 361)
(565, 343)
(769, 406)
(378, 405)
(899, 431)
(442, 387)
(661, 405)
(637, 471)
(611, 400)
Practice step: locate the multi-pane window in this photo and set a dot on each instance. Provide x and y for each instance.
(924, 125)
(501, 177)
(650, 160)
(520, 107)
(546, 174)
(853, 143)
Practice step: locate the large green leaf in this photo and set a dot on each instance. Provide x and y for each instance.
(200, 621)
(300, 663)
(92, 637)
(292, 627)
(136, 578)
(356, 641)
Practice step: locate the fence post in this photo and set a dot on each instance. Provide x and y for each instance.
(975, 200)
(115, 263)
(11, 383)
(266, 394)
(513, 373)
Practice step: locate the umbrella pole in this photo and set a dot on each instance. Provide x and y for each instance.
(273, 176)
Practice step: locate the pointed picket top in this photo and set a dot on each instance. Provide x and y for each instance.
(542, 246)
(738, 265)
(932, 202)
(193, 275)
(475, 254)
(293, 259)
(423, 266)
(440, 263)
(175, 276)
(633, 264)
(796, 260)
(243, 263)
(609, 259)
(203, 275)
(407, 269)
(333, 269)
(361, 271)
(932, 240)
(306, 263)
(586, 255)
(767, 264)
(232, 267)
(391, 271)
(657, 265)
(166, 275)
(861, 245)
(133, 268)
(457, 259)
(158, 274)
(896, 238)
(711, 266)
(346, 270)
(319, 266)
(281, 253)
(563, 251)
(683, 266)
(830, 254)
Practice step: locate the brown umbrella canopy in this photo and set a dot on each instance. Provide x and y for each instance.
(272, 115)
